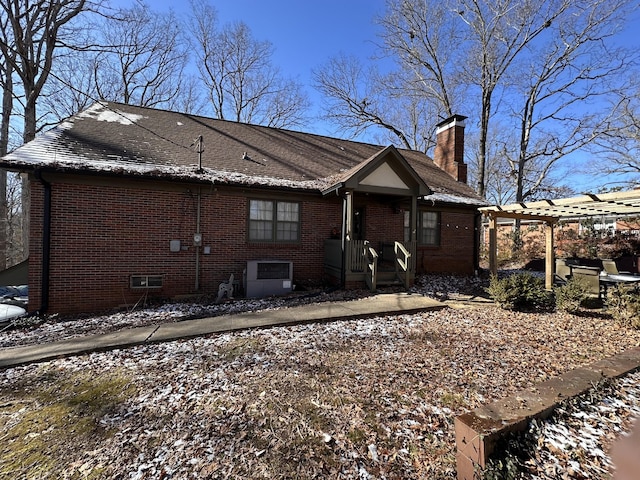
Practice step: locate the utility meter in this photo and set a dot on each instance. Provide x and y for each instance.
(197, 239)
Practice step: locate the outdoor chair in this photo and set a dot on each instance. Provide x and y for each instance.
(611, 268)
(563, 272)
(590, 276)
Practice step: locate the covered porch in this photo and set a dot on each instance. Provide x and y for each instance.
(550, 212)
(377, 242)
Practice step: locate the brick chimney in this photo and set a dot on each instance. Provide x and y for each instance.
(449, 152)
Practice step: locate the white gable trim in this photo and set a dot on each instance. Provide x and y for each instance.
(384, 176)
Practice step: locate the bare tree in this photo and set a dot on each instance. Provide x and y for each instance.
(31, 33)
(522, 63)
(619, 144)
(242, 83)
(359, 99)
(6, 82)
(426, 43)
(71, 88)
(142, 58)
(555, 79)
(15, 238)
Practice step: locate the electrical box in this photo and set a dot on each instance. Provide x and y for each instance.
(268, 277)
(174, 245)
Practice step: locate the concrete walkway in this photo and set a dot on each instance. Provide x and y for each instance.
(384, 304)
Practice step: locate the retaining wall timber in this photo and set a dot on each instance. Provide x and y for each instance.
(477, 432)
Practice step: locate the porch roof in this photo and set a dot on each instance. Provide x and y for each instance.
(398, 175)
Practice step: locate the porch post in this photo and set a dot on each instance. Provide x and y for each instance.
(347, 235)
(348, 198)
(549, 267)
(493, 245)
(414, 220)
(413, 228)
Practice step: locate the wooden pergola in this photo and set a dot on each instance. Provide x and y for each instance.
(551, 211)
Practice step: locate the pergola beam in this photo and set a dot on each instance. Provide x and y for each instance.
(552, 211)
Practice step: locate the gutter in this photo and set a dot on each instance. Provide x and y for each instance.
(46, 243)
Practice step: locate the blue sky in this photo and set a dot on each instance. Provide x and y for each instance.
(305, 34)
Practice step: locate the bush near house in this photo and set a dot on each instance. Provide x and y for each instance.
(623, 301)
(570, 296)
(521, 292)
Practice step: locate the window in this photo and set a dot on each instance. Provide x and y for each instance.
(428, 227)
(146, 281)
(274, 221)
(428, 231)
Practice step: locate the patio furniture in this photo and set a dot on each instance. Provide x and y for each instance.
(610, 280)
(611, 268)
(590, 276)
(563, 272)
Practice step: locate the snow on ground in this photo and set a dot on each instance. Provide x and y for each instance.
(33, 330)
(370, 398)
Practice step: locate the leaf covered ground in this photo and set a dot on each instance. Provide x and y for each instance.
(361, 399)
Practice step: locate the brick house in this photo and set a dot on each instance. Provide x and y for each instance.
(130, 202)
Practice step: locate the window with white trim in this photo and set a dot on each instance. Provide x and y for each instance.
(274, 221)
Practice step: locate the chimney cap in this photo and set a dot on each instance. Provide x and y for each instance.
(453, 119)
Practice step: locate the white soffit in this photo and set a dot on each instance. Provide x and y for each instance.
(384, 176)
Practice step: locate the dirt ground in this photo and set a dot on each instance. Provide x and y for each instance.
(360, 399)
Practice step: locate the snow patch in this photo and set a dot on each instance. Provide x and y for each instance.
(101, 113)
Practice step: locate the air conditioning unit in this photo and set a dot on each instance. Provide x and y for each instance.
(268, 277)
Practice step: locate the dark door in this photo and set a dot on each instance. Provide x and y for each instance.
(358, 224)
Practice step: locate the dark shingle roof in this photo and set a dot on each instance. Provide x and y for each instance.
(115, 138)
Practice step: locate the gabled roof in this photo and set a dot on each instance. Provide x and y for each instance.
(116, 139)
(386, 171)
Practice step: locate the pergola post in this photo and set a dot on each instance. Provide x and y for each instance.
(493, 245)
(549, 267)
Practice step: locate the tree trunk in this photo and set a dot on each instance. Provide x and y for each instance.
(7, 108)
(28, 135)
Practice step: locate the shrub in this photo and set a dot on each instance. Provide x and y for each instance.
(520, 292)
(623, 301)
(569, 297)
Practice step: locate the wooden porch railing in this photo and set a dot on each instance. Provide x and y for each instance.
(371, 259)
(363, 260)
(403, 264)
(356, 259)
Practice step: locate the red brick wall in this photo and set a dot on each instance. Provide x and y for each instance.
(103, 234)
(455, 254)
(383, 222)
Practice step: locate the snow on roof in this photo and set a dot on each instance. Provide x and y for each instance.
(118, 139)
(99, 112)
(448, 198)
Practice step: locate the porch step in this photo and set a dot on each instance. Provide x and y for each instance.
(388, 279)
(389, 283)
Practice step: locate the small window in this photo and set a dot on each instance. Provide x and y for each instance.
(274, 221)
(146, 281)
